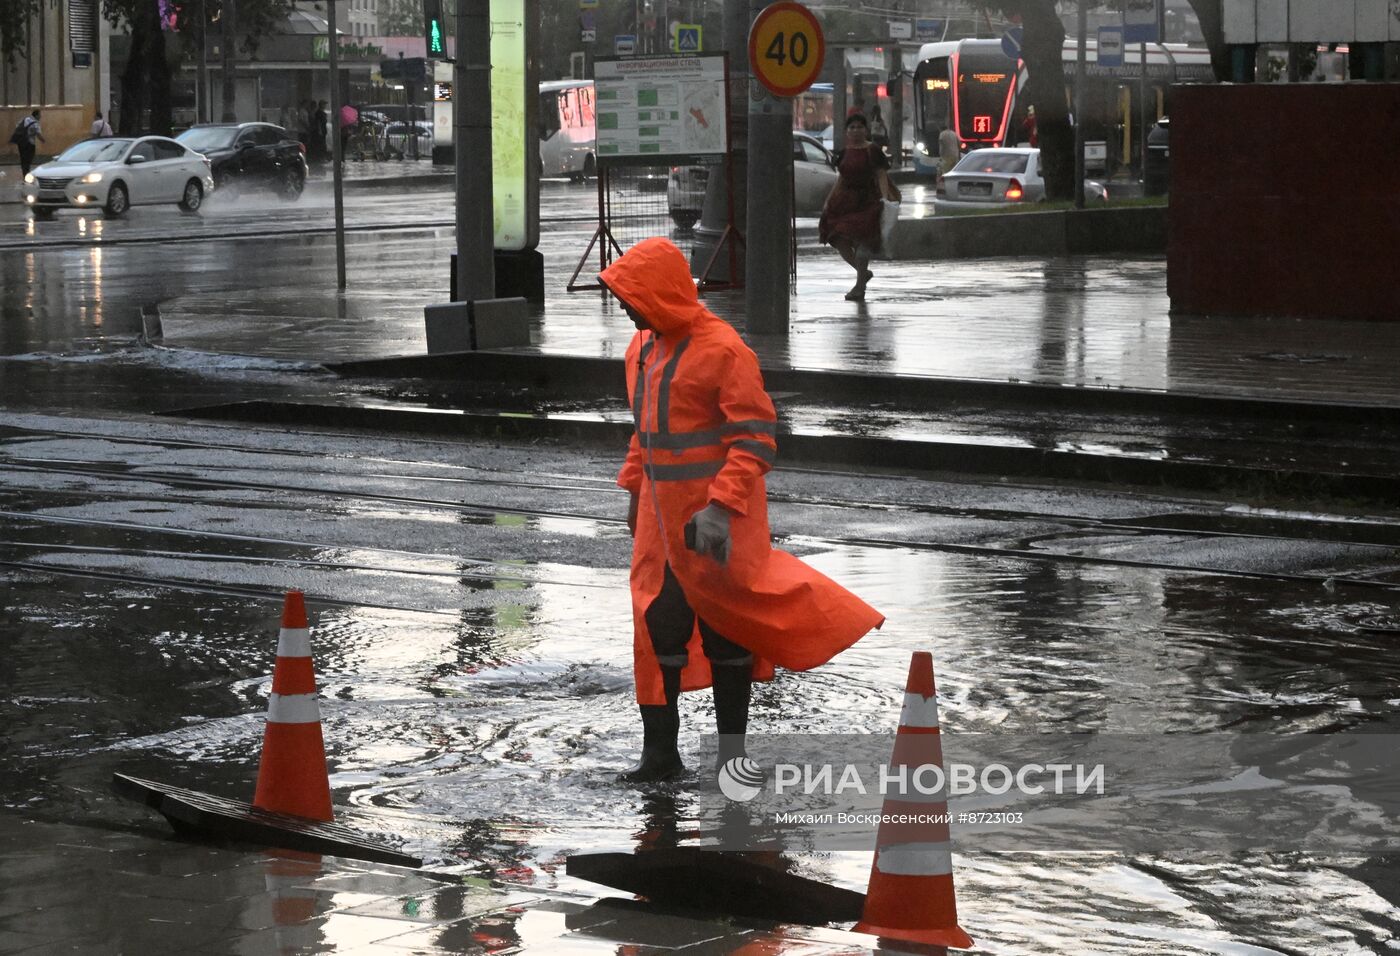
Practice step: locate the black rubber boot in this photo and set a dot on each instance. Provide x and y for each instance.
(732, 684)
(661, 725)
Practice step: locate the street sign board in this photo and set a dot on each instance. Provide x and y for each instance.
(928, 29)
(1110, 46)
(1011, 42)
(786, 48)
(900, 29)
(624, 44)
(1140, 19)
(588, 36)
(687, 38)
(651, 108)
(588, 4)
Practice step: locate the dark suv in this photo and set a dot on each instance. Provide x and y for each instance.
(251, 156)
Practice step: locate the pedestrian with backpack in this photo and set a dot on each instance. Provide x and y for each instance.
(26, 134)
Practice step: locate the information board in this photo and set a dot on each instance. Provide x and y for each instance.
(511, 146)
(661, 108)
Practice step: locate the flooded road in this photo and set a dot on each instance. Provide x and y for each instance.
(471, 630)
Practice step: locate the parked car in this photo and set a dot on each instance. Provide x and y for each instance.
(115, 174)
(1007, 177)
(813, 175)
(251, 156)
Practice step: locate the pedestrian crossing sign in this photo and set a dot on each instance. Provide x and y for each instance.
(686, 38)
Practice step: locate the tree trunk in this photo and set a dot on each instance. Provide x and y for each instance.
(1212, 20)
(1042, 50)
(229, 37)
(157, 73)
(133, 79)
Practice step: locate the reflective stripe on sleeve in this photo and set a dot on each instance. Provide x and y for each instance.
(757, 449)
(293, 709)
(294, 642)
(915, 859)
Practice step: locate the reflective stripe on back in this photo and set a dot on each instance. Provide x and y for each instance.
(686, 472)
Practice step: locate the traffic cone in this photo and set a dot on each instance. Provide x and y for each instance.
(911, 881)
(292, 776)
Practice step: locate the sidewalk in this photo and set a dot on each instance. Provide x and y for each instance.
(1094, 323)
(81, 890)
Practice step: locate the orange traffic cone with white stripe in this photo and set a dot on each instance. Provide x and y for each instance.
(292, 777)
(911, 882)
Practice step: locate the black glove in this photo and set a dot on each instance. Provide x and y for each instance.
(707, 532)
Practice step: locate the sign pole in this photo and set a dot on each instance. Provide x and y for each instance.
(786, 52)
(1081, 56)
(338, 187)
(471, 104)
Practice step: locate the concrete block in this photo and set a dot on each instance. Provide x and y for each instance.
(449, 327)
(1322, 21)
(1271, 21)
(484, 324)
(500, 323)
(1238, 17)
(1372, 21)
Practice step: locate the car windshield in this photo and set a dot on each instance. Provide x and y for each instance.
(992, 161)
(208, 137)
(95, 151)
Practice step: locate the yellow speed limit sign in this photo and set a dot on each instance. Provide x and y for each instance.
(786, 49)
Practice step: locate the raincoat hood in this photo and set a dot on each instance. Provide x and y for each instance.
(653, 277)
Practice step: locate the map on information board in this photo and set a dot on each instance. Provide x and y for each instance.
(660, 108)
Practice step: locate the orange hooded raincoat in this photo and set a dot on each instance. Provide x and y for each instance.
(704, 433)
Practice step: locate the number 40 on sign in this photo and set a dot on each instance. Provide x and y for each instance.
(786, 48)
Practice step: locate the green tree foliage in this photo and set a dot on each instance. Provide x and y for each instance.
(14, 28)
(401, 18)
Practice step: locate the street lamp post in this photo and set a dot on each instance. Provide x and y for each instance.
(336, 151)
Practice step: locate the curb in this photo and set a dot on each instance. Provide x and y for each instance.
(590, 377)
(842, 451)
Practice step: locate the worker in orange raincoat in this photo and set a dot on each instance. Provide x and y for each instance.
(704, 576)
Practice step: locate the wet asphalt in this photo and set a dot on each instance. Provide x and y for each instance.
(470, 609)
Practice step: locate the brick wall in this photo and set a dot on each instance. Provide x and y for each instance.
(1285, 200)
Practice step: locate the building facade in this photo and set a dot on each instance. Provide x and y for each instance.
(65, 73)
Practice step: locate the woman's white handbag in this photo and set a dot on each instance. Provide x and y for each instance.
(889, 215)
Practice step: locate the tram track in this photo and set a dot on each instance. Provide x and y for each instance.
(589, 485)
(1380, 534)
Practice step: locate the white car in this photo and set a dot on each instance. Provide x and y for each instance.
(1009, 176)
(115, 174)
(813, 175)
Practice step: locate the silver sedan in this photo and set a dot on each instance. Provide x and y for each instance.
(1005, 177)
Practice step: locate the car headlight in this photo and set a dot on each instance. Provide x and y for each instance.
(29, 178)
(922, 148)
(91, 178)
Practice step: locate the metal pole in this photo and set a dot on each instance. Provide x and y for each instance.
(769, 240)
(1142, 95)
(471, 106)
(334, 50)
(202, 110)
(1081, 55)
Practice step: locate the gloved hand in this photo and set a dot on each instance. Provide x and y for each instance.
(711, 534)
(632, 507)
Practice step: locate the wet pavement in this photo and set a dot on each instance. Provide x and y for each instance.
(471, 623)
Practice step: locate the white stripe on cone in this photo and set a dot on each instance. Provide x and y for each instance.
(915, 859)
(294, 642)
(919, 711)
(293, 709)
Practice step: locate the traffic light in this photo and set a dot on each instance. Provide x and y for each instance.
(434, 30)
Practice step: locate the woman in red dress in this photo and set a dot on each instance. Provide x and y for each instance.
(850, 220)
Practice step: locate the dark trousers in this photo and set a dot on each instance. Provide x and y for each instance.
(670, 622)
(26, 158)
